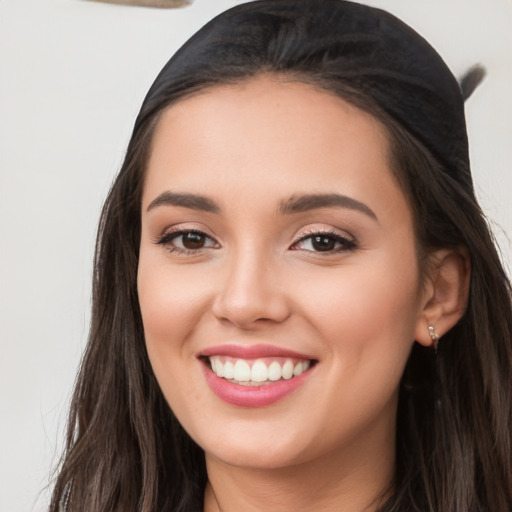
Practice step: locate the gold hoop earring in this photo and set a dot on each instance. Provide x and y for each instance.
(434, 336)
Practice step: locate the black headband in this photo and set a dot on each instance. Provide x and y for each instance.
(367, 48)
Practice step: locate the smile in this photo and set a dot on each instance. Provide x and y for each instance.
(257, 372)
(254, 376)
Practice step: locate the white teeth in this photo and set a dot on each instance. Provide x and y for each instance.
(229, 370)
(241, 372)
(259, 372)
(287, 370)
(274, 371)
(219, 368)
(299, 368)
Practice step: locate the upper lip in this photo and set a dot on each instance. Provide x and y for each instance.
(251, 352)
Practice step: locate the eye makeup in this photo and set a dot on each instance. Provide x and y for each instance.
(186, 241)
(324, 242)
(321, 241)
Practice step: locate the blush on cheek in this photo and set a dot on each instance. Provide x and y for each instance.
(366, 310)
(167, 303)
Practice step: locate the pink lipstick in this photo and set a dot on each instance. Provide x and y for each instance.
(254, 376)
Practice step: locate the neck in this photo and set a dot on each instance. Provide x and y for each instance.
(356, 480)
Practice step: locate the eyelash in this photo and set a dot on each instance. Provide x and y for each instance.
(167, 238)
(347, 244)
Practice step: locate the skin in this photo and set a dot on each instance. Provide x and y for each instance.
(357, 309)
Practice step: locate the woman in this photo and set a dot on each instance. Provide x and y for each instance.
(297, 303)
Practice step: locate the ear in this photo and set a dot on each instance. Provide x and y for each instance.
(445, 293)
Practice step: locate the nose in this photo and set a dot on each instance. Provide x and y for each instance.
(251, 293)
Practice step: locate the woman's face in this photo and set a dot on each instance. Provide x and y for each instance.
(278, 248)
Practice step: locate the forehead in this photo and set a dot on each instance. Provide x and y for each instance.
(268, 132)
(268, 106)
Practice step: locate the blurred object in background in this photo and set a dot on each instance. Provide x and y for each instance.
(165, 4)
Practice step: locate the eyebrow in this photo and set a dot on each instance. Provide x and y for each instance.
(192, 201)
(297, 204)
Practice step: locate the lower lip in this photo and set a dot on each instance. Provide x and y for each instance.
(252, 396)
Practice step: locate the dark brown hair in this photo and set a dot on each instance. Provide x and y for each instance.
(126, 451)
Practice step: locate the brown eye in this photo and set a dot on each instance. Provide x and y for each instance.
(330, 243)
(323, 243)
(193, 240)
(187, 241)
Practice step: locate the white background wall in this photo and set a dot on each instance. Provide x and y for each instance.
(72, 76)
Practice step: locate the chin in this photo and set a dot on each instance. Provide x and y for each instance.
(259, 445)
(257, 457)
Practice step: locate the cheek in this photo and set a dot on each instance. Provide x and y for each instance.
(170, 301)
(366, 319)
(384, 302)
(366, 314)
(171, 307)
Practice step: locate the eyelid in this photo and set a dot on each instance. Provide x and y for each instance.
(349, 241)
(173, 232)
(182, 227)
(324, 230)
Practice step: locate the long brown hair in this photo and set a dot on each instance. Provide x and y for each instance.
(126, 451)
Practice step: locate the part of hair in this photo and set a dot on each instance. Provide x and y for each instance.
(126, 451)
